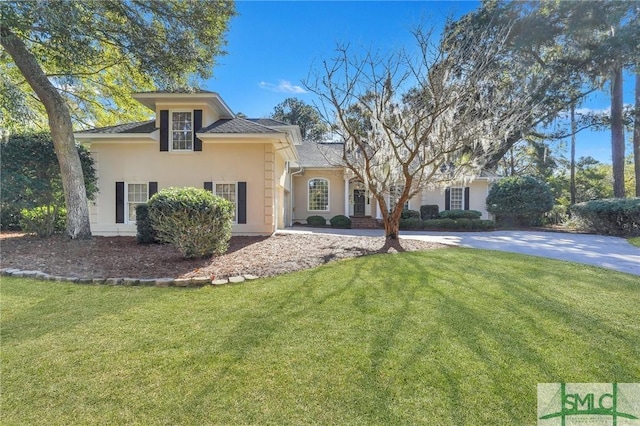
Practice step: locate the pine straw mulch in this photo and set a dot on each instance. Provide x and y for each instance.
(119, 257)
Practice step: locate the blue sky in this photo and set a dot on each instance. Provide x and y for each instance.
(274, 45)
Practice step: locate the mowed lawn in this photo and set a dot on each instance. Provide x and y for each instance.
(452, 336)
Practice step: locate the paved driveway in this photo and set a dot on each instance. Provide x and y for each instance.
(607, 252)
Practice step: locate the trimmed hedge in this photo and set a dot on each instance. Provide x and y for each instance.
(145, 232)
(519, 200)
(316, 221)
(340, 221)
(613, 216)
(460, 214)
(412, 223)
(193, 220)
(410, 214)
(429, 211)
(460, 224)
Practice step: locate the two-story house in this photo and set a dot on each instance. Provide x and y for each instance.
(260, 165)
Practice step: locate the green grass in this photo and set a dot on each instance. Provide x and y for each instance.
(634, 241)
(450, 336)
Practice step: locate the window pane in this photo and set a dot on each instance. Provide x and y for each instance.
(456, 198)
(319, 194)
(181, 131)
(228, 192)
(137, 193)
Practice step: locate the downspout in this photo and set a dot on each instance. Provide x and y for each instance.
(292, 194)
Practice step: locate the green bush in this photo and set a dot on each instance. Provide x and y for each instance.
(145, 233)
(410, 214)
(9, 217)
(464, 223)
(429, 211)
(482, 224)
(519, 200)
(439, 224)
(412, 223)
(194, 220)
(340, 221)
(316, 221)
(460, 214)
(43, 221)
(614, 216)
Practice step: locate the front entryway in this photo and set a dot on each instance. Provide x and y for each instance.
(359, 202)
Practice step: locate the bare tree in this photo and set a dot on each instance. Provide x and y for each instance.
(421, 120)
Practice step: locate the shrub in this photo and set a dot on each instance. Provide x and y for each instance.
(145, 234)
(195, 221)
(316, 221)
(519, 200)
(460, 214)
(340, 221)
(464, 223)
(412, 223)
(615, 216)
(429, 211)
(482, 224)
(9, 217)
(439, 224)
(43, 221)
(410, 214)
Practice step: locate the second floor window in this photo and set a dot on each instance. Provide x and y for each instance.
(181, 131)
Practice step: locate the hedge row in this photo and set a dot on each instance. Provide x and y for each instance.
(614, 216)
(338, 221)
(414, 224)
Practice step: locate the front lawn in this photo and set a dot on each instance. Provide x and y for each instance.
(634, 241)
(453, 336)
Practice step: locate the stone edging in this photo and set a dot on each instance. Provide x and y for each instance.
(157, 282)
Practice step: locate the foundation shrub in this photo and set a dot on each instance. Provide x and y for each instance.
(429, 211)
(613, 216)
(340, 221)
(316, 221)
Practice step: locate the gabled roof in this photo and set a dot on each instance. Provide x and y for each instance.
(236, 125)
(268, 122)
(137, 127)
(320, 154)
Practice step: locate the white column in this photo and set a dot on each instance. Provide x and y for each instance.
(378, 212)
(346, 195)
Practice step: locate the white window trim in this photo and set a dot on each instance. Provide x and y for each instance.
(451, 197)
(171, 148)
(328, 194)
(223, 182)
(126, 200)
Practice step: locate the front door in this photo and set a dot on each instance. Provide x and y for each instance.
(358, 202)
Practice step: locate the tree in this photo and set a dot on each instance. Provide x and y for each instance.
(295, 111)
(31, 176)
(412, 124)
(519, 200)
(76, 56)
(636, 134)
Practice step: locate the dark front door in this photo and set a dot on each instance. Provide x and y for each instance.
(358, 202)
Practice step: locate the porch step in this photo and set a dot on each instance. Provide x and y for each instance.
(364, 222)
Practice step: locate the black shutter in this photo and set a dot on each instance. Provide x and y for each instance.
(153, 188)
(119, 202)
(466, 198)
(242, 202)
(208, 186)
(197, 125)
(447, 199)
(164, 130)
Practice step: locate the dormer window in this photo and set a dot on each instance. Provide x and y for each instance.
(181, 131)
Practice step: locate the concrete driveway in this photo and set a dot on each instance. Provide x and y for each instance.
(606, 252)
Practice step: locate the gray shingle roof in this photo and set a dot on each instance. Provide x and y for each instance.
(268, 121)
(320, 154)
(236, 125)
(138, 127)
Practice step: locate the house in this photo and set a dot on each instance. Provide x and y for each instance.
(260, 165)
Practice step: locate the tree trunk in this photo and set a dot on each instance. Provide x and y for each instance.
(77, 226)
(617, 132)
(636, 135)
(572, 189)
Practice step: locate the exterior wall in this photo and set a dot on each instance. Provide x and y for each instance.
(478, 191)
(300, 193)
(254, 163)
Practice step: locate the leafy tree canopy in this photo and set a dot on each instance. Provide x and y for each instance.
(295, 111)
(97, 52)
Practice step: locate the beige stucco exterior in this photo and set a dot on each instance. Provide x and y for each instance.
(301, 194)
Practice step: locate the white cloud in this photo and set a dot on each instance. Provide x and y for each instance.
(283, 86)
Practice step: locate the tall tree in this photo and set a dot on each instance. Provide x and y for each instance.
(408, 125)
(636, 133)
(74, 56)
(295, 111)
